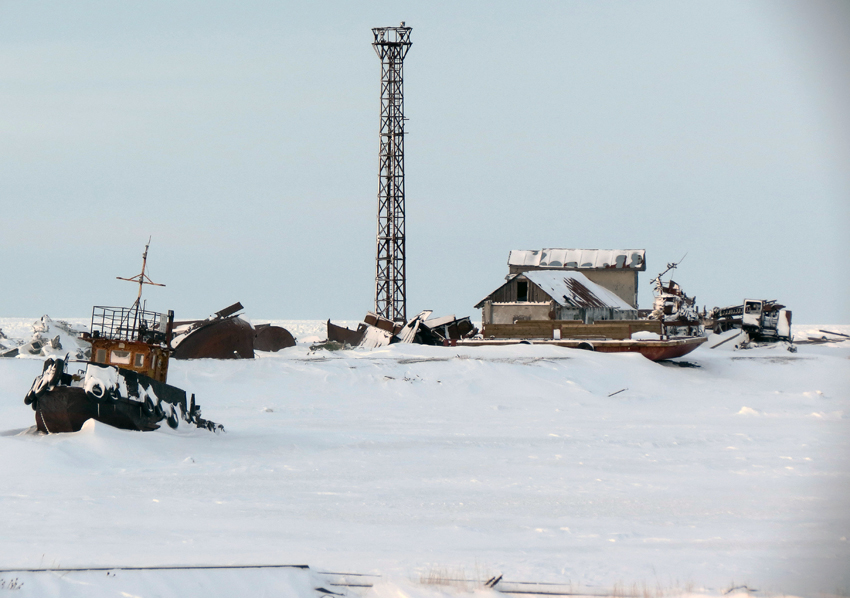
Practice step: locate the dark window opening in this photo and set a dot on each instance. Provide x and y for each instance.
(522, 290)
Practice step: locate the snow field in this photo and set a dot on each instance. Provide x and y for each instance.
(408, 459)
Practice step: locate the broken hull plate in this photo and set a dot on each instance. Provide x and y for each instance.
(272, 338)
(230, 338)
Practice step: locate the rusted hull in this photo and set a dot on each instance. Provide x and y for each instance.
(655, 350)
(344, 335)
(272, 338)
(229, 338)
(117, 397)
(67, 408)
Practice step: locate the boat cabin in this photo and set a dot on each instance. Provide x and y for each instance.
(131, 339)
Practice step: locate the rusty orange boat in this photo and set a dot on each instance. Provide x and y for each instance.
(124, 382)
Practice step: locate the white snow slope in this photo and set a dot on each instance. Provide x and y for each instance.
(409, 460)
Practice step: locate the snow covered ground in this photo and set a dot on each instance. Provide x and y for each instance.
(413, 461)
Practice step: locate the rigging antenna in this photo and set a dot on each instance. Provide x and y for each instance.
(142, 278)
(670, 267)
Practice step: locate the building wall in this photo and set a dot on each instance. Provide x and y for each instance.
(589, 315)
(511, 312)
(623, 283)
(508, 313)
(508, 293)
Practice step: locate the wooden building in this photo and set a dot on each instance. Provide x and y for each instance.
(553, 295)
(614, 269)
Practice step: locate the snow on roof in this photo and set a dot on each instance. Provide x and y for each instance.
(585, 259)
(574, 289)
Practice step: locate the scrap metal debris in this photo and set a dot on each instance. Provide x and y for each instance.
(836, 337)
(224, 335)
(272, 338)
(449, 328)
(376, 331)
(344, 336)
(762, 321)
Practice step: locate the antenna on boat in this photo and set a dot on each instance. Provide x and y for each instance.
(142, 278)
(670, 267)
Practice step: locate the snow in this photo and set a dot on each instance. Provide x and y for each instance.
(555, 284)
(22, 333)
(593, 259)
(645, 335)
(280, 583)
(406, 460)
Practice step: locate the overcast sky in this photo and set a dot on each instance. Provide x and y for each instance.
(243, 137)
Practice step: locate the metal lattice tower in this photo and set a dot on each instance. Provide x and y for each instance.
(391, 45)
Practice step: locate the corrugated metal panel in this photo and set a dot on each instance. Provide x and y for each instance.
(592, 259)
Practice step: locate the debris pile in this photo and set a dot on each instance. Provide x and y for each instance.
(377, 331)
(825, 336)
(50, 338)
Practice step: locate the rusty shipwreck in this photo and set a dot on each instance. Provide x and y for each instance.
(123, 384)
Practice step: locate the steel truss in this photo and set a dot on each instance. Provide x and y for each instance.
(391, 44)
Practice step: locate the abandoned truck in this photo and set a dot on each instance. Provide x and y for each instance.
(762, 320)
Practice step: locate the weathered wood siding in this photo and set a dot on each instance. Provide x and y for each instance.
(507, 293)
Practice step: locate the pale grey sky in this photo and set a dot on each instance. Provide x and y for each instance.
(244, 139)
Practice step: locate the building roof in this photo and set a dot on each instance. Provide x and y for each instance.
(581, 259)
(570, 289)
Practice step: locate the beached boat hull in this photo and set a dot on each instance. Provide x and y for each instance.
(114, 396)
(655, 350)
(67, 408)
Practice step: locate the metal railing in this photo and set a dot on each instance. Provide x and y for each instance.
(128, 324)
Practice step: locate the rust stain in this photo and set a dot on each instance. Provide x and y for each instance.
(582, 296)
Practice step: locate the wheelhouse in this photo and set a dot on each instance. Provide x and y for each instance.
(132, 339)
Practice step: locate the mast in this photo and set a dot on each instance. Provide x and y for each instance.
(142, 279)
